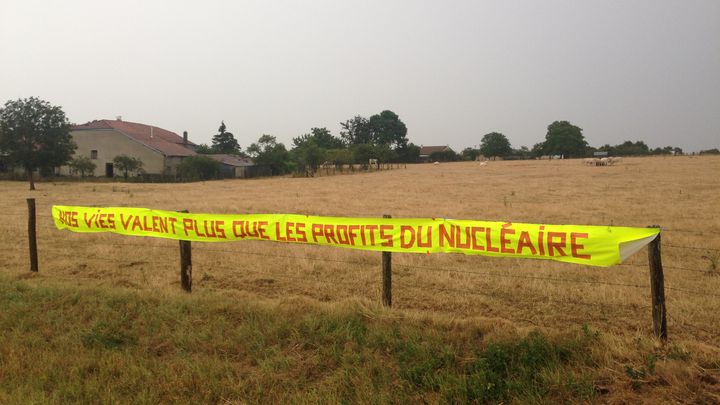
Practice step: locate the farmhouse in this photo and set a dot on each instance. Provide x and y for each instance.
(102, 140)
(426, 151)
(239, 167)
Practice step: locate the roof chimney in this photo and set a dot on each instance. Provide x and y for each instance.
(118, 117)
(185, 141)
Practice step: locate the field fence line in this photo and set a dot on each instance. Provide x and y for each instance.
(690, 247)
(656, 285)
(443, 269)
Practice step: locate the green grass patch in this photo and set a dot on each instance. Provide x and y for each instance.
(65, 344)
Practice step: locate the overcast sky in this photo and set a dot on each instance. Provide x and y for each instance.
(452, 70)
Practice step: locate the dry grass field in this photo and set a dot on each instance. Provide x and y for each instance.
(502, 298)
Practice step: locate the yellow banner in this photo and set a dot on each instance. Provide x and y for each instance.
(590, 245)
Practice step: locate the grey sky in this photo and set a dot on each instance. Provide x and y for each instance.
(452, 71)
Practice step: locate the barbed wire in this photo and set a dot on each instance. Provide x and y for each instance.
(411, 266)
(560, 280)
(292, 277)
(687, 269)
(540, 299)
(679, 230)
(363, 263)
(690, 247)
(664, 267)
(109, 259)
(691, 292)
(697, 328)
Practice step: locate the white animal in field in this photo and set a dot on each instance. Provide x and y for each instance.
(604, 161)
(436, 163)
(483, 163)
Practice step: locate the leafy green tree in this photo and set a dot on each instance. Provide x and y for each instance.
(267, 151)
(564, 138)
(340, 156)
(82, 165)
(537, 150)
(35, 135)
(469, 154)
(362, 153)
(495, 144)
(321, 137)
(308, 157)
(204, 149)
(607, 148)
(127, 164)
(384, 154)
(408, 154)
(713, 151)
(388, 129)
(356, 131)
(225, 142)
(523, 152)
(444, 156)
(629, 148)
(385, 128)
(199, 168)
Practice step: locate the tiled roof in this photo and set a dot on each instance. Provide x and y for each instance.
(427, 150)
(164, 141)
(232, 160)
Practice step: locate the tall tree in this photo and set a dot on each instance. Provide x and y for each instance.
(495, 144)
(388, 129)
(564, 138)
(409, 154)
(356, 131)
(629, 148)
(225, 142)
(309, 156)
(35, 135)
(469, 153)
(321, 137)
(267, 151)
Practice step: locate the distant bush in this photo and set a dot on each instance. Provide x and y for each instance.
(198, 168)
(445, 156)
(82, 165)
(127, 164)
(713, 151)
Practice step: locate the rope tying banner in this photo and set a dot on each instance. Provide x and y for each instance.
(590, 245)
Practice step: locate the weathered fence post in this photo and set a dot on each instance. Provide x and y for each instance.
(32, 235)
(657, 287)
(387, 275)
(186, 264)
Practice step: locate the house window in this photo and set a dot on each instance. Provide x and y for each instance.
(93, 154)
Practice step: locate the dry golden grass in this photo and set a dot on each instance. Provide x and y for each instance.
(679, 193)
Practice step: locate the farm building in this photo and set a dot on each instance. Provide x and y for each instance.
(240, 167)
(102, 140)
(427, 151)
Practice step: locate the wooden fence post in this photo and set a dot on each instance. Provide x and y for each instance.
(186, 264)
(657, 287)
(387, 275)
(32, 234)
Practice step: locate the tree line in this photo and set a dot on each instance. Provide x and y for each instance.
(382, 137)
(36, 135)
(561, 139)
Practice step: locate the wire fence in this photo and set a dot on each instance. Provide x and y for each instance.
(76, 249)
